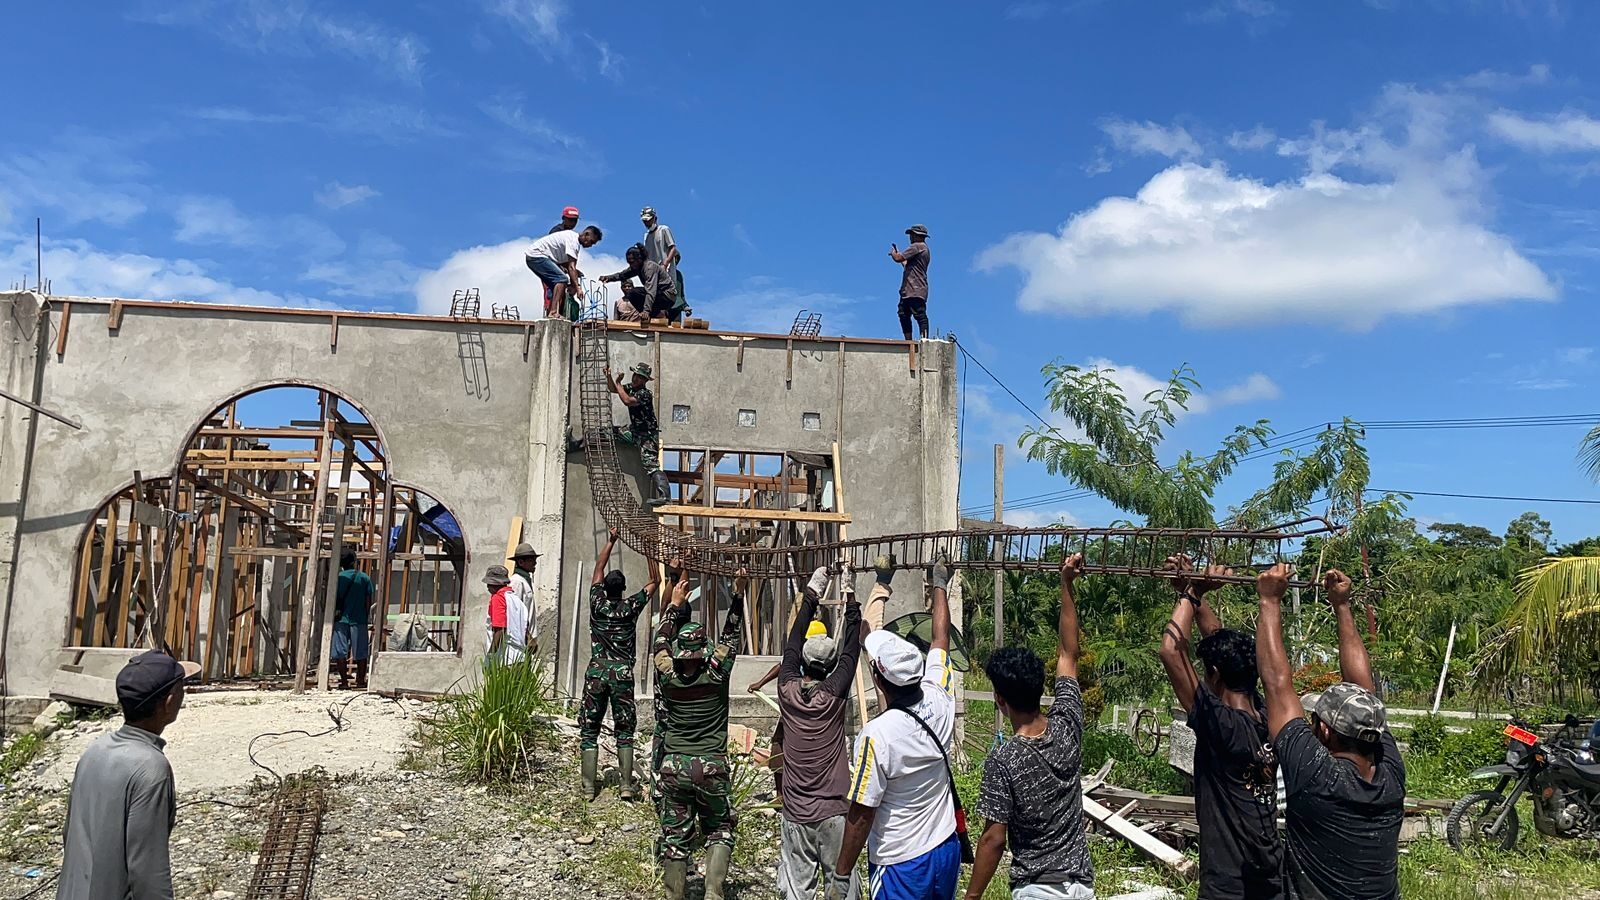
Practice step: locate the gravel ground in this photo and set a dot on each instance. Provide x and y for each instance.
(388, 834)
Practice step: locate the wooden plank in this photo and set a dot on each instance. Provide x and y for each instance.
(788, 363)
(330, 599)
(114, 321)
(513, 538)
(333, 332)
(1145, 842)
(61, 333)
(771, 515)
(83, 605)
(108, 555)
(307, 604)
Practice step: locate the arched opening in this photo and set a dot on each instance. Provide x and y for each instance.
(231, 562)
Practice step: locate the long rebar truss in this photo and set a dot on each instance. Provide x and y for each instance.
(1136, 552)
(288, 856)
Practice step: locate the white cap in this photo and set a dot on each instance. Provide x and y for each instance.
(896, 659)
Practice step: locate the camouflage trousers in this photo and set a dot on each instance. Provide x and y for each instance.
(603, 683)
(649, 449)
(694, 790)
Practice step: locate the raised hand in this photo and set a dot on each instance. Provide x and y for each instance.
(1274, 582)
(1072, 568)
(1338, 586)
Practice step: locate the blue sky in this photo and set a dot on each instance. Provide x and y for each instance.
(1384, 210)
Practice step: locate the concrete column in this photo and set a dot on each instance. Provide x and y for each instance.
(550, 374)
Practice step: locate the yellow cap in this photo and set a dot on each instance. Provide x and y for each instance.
(816, 629)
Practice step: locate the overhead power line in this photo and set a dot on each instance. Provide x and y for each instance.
(1487, 497)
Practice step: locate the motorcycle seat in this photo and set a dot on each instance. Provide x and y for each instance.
(1587, 770)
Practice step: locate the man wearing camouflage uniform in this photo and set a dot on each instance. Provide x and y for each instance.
(612, 618)
(644, 431)
(695, 779)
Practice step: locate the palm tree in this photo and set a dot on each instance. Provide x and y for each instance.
(1589, 453)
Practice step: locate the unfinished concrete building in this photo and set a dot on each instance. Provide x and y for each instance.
(194, 471)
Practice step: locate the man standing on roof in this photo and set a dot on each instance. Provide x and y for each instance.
(913, 281)
(903, 805)
(661, 249)
(1344, 782)
(569, 220)
(525, 560)
(1235, 770)
(554, 258)
(612, 619)
(1031, 796)
(352, 609)
(696, 780)
(644, 431)
(813, 693)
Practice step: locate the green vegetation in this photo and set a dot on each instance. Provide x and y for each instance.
(244, 843)
(19, 754)
(495, 731)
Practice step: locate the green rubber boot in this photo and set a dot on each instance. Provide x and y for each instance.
(675, 875)
(625, 784)
(591, 765)
(717, 857)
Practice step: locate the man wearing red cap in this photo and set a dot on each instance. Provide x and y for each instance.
(569, 220)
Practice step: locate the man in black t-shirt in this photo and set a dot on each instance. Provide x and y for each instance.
(1344, 780)
(1235, 796)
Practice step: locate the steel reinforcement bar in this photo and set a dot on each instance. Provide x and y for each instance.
(1136, 552)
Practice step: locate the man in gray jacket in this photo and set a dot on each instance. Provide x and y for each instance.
(124, 803)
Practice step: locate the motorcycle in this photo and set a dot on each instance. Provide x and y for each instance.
(1561, 776)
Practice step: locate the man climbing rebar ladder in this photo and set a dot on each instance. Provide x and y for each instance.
(609, 677)
(644, 431)
(696, 780)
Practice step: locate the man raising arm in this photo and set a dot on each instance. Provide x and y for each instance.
(1342, 773)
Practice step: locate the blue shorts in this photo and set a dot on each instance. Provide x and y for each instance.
(547, 270)
(348, 638)
(931, 876)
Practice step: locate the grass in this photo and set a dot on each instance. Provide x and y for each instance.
(19, 754)
(1429, 868)
(244, 843)
(496, 731)
(482, 890)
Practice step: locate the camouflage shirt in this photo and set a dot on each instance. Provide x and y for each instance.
(696, 709)
(642, 416)
(611, 625)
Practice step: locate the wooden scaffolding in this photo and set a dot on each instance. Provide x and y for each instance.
(230, 563)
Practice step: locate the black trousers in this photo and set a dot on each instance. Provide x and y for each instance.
(913, 308)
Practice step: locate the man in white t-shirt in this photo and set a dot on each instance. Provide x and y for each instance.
(524, 561)
(901, 806)
(554, 258)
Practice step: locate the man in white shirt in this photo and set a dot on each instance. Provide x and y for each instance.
(525, 560)
(554, 258)
(901, 804)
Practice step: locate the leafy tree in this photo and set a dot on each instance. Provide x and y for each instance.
(1455, 534)
(1529, 534)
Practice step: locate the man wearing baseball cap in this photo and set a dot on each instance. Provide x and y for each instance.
(569, 220)
(813, 692)
(903, 806)
(1343, 778)
(913, 280)
(123, 805)
(694, 775)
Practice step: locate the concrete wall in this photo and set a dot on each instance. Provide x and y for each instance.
(466, 415)
(455, 404)
(895, 424)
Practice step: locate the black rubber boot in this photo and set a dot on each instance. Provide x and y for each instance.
(625, 784)
(675, 876)
(591, 766)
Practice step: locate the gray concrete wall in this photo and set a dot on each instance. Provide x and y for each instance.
(895, 424)
(466, 432)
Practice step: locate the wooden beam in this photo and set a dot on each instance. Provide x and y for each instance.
(331, 597)
(733, 512)
(333, 332)
(61, 335)
(1147, 843)
(308, 595)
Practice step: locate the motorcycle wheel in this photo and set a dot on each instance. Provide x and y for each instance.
(1465, 825)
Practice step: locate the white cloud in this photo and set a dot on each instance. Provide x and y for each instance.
(1138, 384)
(742, 235)
(763, 306)
(1389, 218)
(1041, 517)
(77, 178)
(78, 268)
(1148, 138)
(211, 220)
(337, 196)
(1495, 80)
(1257, 138)
(293, 27)
(1222, 9)
(1566, 132)
(540, 20)
(501, 276)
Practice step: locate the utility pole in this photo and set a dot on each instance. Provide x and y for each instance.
(999, 553)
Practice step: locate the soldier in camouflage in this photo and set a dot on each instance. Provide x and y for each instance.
(609, 677)
(695, 779)
(644, 430)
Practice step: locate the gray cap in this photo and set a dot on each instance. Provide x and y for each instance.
(497, 576)
(822, 651)
(918, 229)
(1350, 710)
